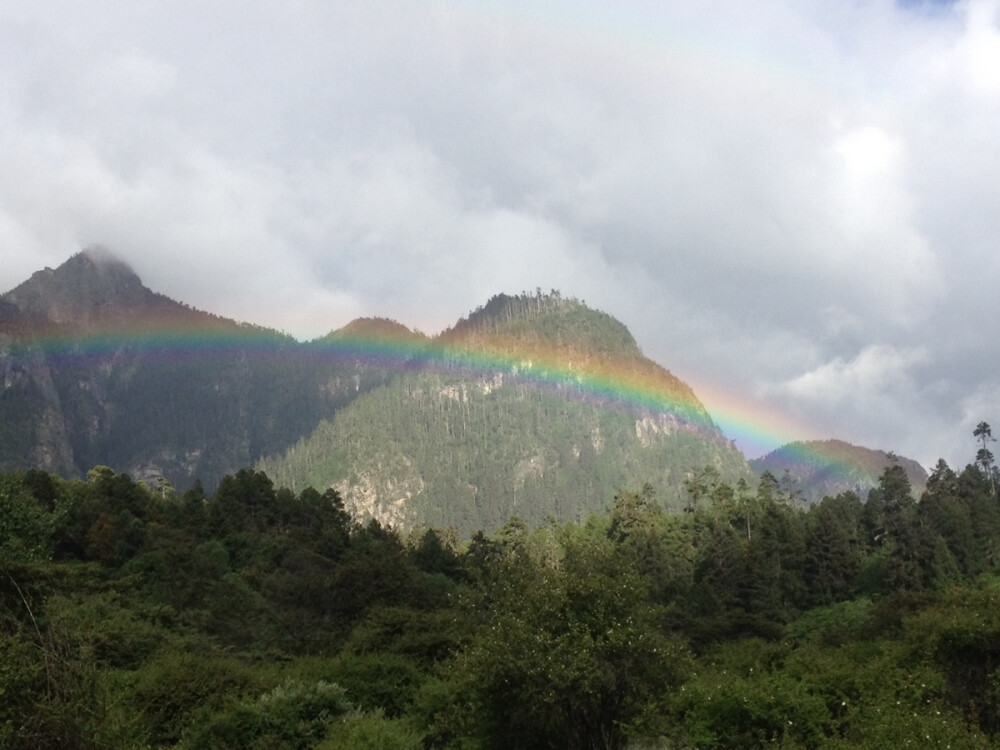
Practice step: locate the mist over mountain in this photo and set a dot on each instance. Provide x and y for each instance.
(533, 404)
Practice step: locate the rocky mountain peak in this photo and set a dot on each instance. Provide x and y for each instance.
(92, 286)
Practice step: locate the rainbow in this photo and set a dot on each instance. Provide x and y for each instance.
(636, 385)
(182, 334)
(654, 42)
(753, 425)
(755, 428)
(573, 373)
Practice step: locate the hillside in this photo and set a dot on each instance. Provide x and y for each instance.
(98, 369)
(534, 405)
(32, 427)
(825, 468)
(91, 290)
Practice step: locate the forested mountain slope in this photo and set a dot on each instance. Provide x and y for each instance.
(823, 468)
(98, 369)
(535, 406)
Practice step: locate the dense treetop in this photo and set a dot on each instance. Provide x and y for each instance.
(255, 616)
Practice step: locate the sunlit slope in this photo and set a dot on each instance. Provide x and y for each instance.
(534, 405)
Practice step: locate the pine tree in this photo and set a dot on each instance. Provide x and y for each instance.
(984, 457)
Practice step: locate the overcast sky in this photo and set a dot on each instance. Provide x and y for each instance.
(793, 204)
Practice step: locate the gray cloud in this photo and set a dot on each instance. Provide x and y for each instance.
(792, 204)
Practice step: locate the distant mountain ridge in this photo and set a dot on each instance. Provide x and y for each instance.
(533, 404)
(368, 328)
(821, 468)
(98, 369)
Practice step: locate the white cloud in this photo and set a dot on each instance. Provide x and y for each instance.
(878, 393)
(879, 243)
(877, 370)
(977, 55)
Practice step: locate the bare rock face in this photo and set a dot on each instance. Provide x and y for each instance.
(32, 423)
(58, 395)
(35, 422)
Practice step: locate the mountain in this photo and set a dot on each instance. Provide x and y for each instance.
(92, 290)
(98, 369)
(821, 468)
(534, 405)
(32, 428)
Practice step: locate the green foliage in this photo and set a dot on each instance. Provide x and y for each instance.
(961, 633)
(867, 694)
(294, 714)
(26, 526)
(385, 682)
(832, 557)
(98, 627)
(23, 683)
(425, 637)
(743, 701)
(372, 731)
(834, 624)
(255, 617)
(568, 654)
(177, 689)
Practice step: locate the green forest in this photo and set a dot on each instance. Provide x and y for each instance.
(132, 616)
(471, 456)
